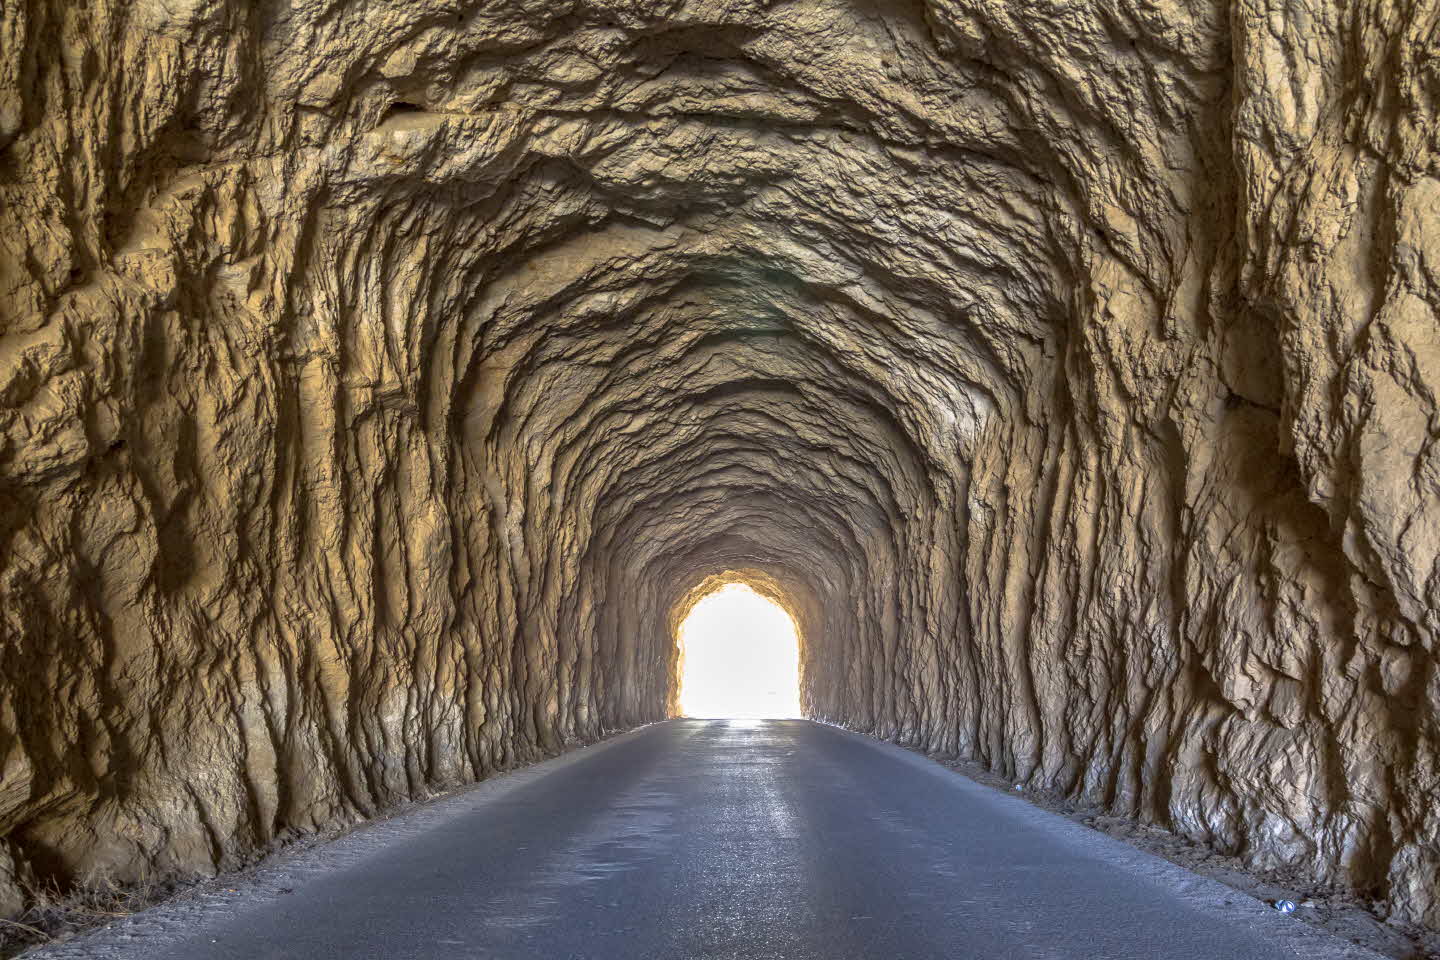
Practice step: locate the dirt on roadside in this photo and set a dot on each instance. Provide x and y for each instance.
(1335, 911)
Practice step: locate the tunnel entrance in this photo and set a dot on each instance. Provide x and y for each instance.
(739, 657)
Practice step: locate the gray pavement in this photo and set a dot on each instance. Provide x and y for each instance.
(720, 839)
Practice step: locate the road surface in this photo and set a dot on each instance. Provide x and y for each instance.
(720, 839)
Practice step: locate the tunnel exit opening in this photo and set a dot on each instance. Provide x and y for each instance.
(739, 657)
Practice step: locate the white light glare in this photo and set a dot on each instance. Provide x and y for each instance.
(741, 657)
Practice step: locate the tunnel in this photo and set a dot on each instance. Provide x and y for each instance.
(382, 383)
(739, 653)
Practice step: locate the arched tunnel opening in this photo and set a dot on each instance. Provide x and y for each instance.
(739, 653)
(383, 384)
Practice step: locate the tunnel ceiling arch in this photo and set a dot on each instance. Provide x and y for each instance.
(378, 375)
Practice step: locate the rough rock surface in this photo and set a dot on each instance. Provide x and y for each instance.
(378, 380)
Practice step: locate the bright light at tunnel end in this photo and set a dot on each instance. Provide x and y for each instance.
(740, 657)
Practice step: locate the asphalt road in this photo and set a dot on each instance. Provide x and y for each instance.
(720, 839)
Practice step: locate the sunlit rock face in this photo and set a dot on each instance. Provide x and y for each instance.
(379, 380)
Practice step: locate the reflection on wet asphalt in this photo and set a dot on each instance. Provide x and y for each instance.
(721, 839)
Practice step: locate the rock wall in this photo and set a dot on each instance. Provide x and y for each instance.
(378, 380)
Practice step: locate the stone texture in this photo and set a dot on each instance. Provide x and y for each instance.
(379, 379)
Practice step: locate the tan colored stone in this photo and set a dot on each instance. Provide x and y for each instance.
(378, 380)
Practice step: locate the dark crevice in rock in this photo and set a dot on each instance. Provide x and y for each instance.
(380, 383)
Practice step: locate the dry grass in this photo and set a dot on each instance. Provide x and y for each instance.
(56, 914)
